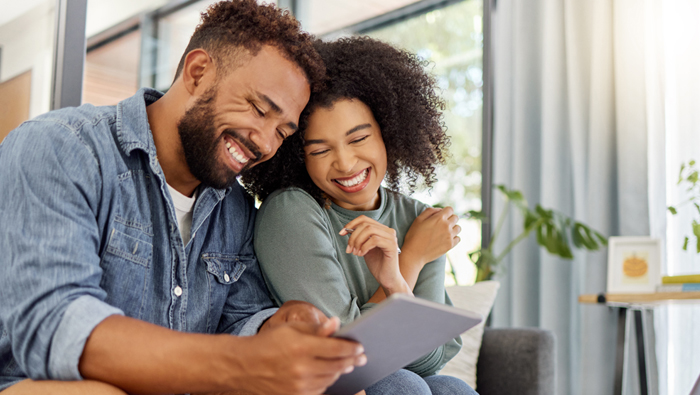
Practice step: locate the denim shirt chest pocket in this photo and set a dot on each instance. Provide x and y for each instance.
(126, 264)
(223, 270)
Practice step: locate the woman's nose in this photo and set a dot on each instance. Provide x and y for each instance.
(345, 161)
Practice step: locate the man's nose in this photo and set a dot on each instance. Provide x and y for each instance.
(264, 139)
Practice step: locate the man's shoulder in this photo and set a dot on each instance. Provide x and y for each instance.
(75, 119)
(85, 125)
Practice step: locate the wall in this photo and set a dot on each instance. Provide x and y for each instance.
(27, 45)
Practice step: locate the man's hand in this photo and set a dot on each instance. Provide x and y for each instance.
(295, 358)
(296, 310)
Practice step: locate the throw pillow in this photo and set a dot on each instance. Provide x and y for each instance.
(478, 298)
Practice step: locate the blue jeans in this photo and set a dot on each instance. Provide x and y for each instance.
(405, 382)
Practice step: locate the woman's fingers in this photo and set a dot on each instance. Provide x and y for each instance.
(428, 212)
(368, 236)
(362, 219)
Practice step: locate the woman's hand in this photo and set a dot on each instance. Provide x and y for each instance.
(378, 245)
(432, 234)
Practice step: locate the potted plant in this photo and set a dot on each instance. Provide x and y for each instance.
(554, 231)
(688, 176)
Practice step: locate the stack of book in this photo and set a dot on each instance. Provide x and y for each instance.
(684, 283)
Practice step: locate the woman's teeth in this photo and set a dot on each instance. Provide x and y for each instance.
(240, 158)
(355, 180)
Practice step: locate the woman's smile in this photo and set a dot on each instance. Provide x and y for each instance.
(345, 154)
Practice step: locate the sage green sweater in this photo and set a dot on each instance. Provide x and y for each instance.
(303, 258)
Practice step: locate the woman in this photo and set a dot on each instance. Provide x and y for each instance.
(327, 231)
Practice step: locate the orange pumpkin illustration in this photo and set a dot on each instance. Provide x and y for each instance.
(635, 266)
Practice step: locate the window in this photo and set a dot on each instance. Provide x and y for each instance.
(112, 70)
(27, 36)
(174, 32)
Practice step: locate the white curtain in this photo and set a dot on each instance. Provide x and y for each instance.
(580, 125)
(679, 349)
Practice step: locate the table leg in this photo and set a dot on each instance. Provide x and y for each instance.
(620, 352)
(641, 352)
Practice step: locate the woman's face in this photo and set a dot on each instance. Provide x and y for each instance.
(345, 154)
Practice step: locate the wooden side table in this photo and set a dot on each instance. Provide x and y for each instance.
(635, 303)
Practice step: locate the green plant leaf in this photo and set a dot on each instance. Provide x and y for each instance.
(696, 232)
(530, 218)
(478, 215)
(691, 163)
(586, 239)
(693, 177)
(672, 210)
(475, 256)
(603, 240)
(697, 207)
(513, 195)
(680, 174)
(685, 243)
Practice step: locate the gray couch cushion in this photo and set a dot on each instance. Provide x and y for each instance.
(516, 361)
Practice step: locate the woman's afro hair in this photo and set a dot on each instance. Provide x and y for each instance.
(402, 96)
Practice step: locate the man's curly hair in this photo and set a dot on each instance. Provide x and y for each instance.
(402, 97)
(232, 25)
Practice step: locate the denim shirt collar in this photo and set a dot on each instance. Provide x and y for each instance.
(134, 132)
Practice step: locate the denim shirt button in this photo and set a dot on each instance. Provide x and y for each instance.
(178, 291)
(226, 277)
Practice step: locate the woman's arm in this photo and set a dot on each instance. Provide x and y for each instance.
(432, 234)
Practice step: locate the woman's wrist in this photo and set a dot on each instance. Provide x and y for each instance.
(409, 258)
(398, 286)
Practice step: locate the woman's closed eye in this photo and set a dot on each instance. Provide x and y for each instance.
(319, 152)
(358, 140)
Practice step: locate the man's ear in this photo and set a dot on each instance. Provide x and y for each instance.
(198, 68)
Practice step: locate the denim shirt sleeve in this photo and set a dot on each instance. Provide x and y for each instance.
(248, 304)
(49, 265)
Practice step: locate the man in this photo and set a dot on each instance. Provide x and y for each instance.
(124, 232)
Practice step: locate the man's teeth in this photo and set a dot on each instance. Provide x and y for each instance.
(355, 180)
(240, 158)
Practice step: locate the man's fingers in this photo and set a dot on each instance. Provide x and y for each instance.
(335, 348)
(329, 327)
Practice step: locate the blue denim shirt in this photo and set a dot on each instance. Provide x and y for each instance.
(89, 230)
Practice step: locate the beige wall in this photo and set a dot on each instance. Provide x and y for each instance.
(14, 102)
(27, 45)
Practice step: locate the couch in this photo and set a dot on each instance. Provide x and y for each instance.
(518, 361)
(501, 361)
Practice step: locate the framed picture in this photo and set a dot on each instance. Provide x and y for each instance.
(634, 264)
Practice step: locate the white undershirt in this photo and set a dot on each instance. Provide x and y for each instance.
(183, 212)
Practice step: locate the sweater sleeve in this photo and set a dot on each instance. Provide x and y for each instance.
(431, 286)
(296, 250)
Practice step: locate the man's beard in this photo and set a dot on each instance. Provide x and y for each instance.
(200, 144)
